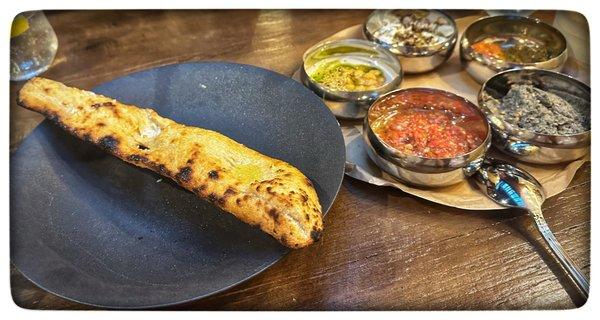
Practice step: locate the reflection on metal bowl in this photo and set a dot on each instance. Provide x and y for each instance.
(351, 52)
(422, 171)
(481, 67)
(526, 145)
(413, 58)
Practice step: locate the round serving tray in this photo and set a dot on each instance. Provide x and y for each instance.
(450, 76)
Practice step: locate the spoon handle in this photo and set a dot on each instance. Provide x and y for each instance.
(562, 256)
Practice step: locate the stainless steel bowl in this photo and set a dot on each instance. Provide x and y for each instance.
(414, 59)
(527, 145)
(482, 68)
(421, 171)
(358, 50)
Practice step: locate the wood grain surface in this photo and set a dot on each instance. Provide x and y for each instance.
(382, 249)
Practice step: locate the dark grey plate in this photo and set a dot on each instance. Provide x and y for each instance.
(91, 228)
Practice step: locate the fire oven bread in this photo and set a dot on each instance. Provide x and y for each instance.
(257, 189)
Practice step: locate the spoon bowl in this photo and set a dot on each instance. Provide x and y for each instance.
(509, 186)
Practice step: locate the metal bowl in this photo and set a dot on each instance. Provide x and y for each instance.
(414, 59)
(526, 145)
(422, 171)
(482, 68)
(358, 50)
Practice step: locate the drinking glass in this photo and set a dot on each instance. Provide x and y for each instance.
(33, 45)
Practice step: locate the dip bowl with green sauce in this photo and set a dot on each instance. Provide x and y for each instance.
(351, 71)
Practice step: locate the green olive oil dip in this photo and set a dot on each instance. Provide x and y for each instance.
(342, 76)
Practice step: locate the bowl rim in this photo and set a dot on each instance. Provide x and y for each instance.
(481, 149)
(467, 51)
(430, 50)
(536, 136)
(339, 95)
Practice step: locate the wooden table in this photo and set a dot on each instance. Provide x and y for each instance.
(382, 249)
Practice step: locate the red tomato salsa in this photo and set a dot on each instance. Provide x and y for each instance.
(428, 123)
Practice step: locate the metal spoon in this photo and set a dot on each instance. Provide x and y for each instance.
(512, 187)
